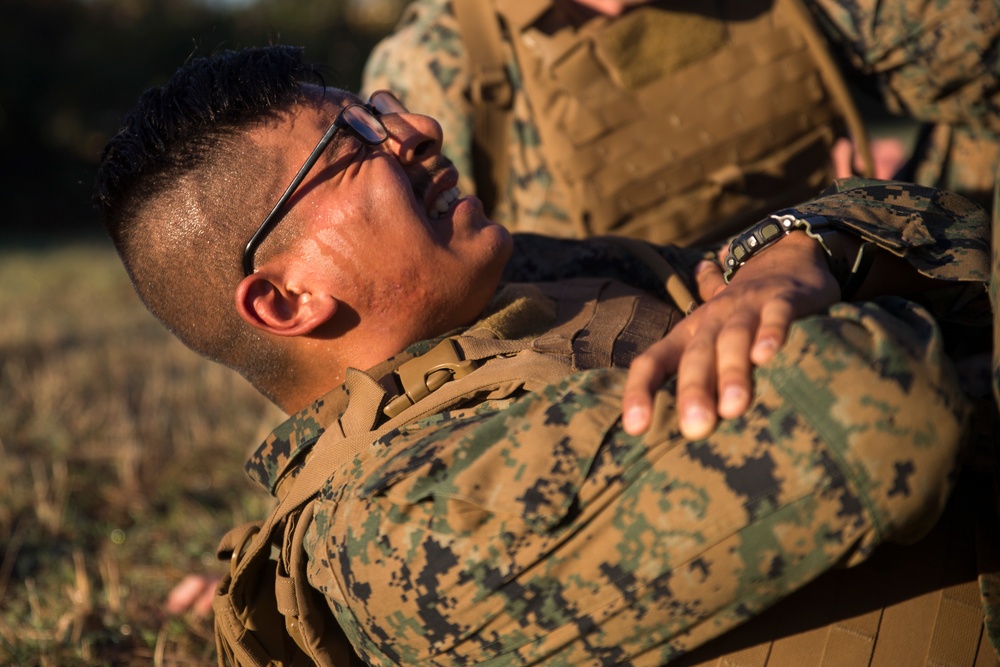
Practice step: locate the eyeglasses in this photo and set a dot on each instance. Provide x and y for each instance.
(363, 122)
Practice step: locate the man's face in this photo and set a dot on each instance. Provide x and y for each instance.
(382, 224)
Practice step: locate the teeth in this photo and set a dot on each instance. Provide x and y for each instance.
(443, 202)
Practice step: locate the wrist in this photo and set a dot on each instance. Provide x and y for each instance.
(847, 257)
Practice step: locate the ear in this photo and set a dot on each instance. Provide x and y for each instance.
(266, 301)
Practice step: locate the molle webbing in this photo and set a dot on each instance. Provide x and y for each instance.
(681, 112)
(597, 324)
(491, 94)
(265, 611)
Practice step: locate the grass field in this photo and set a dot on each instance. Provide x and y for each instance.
(120, 466)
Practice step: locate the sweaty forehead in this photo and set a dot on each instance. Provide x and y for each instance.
(311, 115)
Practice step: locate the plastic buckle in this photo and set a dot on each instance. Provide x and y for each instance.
(422, 375)
(491, 86)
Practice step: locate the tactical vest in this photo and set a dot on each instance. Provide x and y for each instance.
(677, 122)
(266, 614)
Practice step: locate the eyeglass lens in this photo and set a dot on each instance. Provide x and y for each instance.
(364, 124)
(385, 102)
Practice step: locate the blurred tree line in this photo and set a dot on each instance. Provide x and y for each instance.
(69, 69)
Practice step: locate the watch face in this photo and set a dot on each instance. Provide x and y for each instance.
(755, 239)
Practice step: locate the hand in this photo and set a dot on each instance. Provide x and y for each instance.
(738, 325)
(888, 155)
(610, 7)
(194, 593)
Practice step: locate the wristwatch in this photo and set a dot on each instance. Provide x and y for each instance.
(849, 272)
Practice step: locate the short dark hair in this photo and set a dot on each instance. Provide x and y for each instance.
(175, 185)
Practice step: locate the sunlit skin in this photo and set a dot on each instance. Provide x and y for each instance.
(369, 272)
(610, 7)
(740, 325)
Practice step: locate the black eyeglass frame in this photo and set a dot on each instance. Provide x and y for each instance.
(372, 110)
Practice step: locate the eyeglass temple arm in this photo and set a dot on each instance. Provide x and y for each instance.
(272, 218)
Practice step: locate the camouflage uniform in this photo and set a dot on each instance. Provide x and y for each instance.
(995, 291)
(936, 62)
(525, 526)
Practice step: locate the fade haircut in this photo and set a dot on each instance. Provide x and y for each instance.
(175, 187)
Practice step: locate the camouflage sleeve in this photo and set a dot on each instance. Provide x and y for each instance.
(941, 234)
(934, 61)
(938, 63)
(423, 62)
(995, 293)
(533, 530)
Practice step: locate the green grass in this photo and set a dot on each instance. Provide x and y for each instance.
(120, 466)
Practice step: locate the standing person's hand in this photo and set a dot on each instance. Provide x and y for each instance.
(888, 154)
(610, 7)
(193, 593)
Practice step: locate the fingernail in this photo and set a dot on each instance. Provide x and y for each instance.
(632, 420)
(696, 422)
(767, 344)
(732, 399)
(764, 350)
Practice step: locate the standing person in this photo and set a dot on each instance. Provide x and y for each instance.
(726, 110)
(496, 486)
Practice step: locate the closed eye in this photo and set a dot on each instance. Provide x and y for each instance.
(340, 152)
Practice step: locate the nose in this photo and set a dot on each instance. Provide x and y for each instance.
(413, 137)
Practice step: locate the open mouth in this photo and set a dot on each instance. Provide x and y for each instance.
(443, 203)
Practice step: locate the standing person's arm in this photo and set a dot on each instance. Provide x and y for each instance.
(423, 62)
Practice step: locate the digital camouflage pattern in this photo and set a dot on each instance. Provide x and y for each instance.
(535, 530)
(936, 62)
(528, 527)
(424, 63)
(995, 290)
(990, 582)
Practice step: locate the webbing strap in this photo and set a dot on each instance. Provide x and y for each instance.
(333, 450)
(835, 83)
(491, 94)
(666, 273)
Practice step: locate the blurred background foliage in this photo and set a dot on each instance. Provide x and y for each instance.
(107, 422)
(69, 69)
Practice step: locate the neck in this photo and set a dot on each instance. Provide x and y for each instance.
(320, 366)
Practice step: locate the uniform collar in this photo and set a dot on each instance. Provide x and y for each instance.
(285, 448)
(515, 311)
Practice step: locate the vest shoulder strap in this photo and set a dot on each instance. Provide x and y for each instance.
(490, 92)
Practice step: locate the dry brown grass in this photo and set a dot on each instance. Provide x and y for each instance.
(120, 466)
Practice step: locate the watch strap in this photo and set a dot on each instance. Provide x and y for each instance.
(849, 272)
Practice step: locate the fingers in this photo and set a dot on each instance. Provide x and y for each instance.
(646, 375)
(775, 318)
(842, 156)
(710, 280)
(696, 378)
(739, 326)
(194, 593)
(735, 369)
(714, 357)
